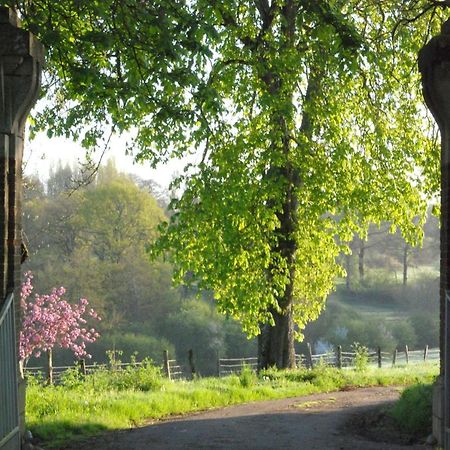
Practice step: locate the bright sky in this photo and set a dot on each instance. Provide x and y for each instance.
(41, 154)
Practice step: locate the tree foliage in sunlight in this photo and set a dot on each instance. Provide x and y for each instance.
(307, 115)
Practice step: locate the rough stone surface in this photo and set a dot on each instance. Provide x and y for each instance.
(21, 59)
(434, 65)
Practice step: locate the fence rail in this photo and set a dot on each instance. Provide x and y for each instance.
(174, 370)
(9, 414)
(228, 366)
(340, 359)
(343, 359)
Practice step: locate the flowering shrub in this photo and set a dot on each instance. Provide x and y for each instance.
(49, 320)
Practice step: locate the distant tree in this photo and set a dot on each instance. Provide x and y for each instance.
(360, 245)
(426, 326)
(153, 188)
(33, 187)
(95, 241)
(60, 180)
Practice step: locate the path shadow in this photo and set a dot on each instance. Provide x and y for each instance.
(322, 428)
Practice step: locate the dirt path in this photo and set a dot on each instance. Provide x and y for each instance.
(316, 422)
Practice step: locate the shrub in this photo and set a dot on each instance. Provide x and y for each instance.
(146, 377)
(426, 327)
(361, 356)
(247, 377)
(413, 411)
(72, 378)
(404, 334)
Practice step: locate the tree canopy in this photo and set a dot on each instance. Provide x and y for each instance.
(305, 117)
(95, 242)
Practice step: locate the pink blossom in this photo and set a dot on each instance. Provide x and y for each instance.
(49, 320)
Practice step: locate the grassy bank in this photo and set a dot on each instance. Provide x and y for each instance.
(413, 412)
(106, 401)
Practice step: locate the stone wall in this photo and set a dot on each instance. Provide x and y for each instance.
(21, 60)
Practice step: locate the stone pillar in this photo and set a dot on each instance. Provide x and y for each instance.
(434, 65)
(21, 60)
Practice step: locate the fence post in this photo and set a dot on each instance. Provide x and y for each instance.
(49, 367)
(218, 367)
(339, 357)
(82, 366)
(394, 358)
(218, 364)
(310, 358)
(425, 353)
(379, 357)
(407, 354)
(166, 364)
(191, 363)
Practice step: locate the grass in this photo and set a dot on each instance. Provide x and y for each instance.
(106, 401)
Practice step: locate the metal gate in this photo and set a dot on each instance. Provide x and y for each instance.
(9, 415)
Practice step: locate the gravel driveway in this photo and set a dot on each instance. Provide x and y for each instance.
(315, 422)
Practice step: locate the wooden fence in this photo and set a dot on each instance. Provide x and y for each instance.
(174, 370)
(85, 369)
(171, 368)
(343, 359)
(340, 359)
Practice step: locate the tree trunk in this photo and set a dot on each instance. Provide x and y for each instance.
(49, 367)
(276, 343)
(348, 271)
(405, 264)
(361, 260)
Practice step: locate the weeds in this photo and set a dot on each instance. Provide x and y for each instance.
(247, 377)
(361, 356)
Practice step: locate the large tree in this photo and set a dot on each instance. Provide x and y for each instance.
(303, 114)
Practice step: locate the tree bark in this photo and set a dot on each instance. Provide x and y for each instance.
(348, 270)
(49, 367)
(276, 343)
(405, 264)
(361, 260)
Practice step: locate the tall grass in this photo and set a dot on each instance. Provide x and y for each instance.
(132, 397)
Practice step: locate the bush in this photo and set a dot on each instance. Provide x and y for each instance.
(426, 326)
(404, 334)
(361, 356)
(247, 377)
(413, 411)
(146, 377)
(72, 378)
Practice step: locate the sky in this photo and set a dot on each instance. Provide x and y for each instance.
(42, 153)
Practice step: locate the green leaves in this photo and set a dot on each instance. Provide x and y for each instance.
(95, 241)
(306, 117)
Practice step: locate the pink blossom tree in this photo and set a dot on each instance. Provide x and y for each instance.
(49, 321)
